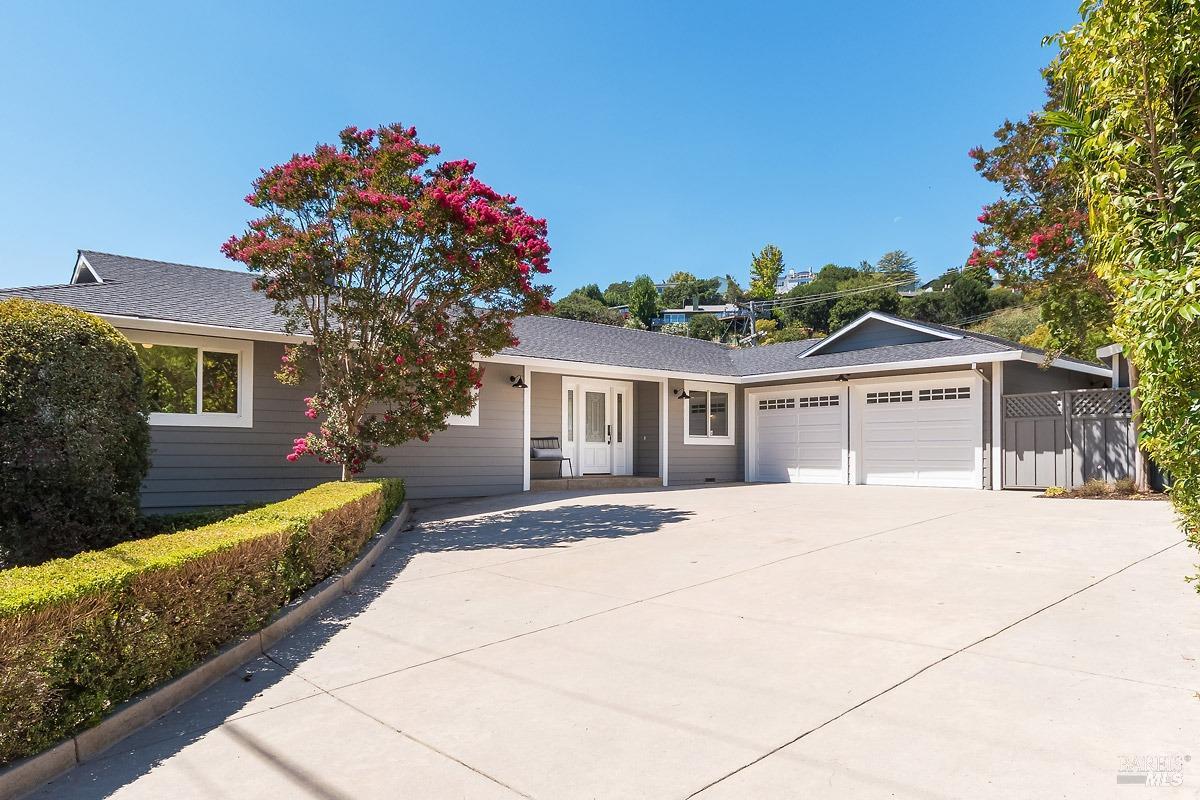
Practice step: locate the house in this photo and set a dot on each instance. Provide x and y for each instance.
(725, 312)
(793, 278)
(884, 400)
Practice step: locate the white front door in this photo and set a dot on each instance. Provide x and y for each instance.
(596, 445)
(598, 421)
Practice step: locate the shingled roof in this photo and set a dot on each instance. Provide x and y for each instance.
(160, 290)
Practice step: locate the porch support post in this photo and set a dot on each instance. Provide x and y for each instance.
(997, 425)
(526, 427)
(664, 407)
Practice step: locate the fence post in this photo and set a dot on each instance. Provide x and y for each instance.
(1068, 441)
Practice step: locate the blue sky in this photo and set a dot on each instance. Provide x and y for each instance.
(678, 136)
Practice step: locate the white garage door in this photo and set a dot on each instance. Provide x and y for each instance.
(799, 436)
(921, 433)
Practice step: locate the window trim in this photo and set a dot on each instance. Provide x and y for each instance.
(725, 388)
(466, 420)
(243, 348)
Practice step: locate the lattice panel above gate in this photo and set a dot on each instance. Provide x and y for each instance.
(1023, 406)
(1101, 403)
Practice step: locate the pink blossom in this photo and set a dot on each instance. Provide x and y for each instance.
(311, 414)
(292, 457)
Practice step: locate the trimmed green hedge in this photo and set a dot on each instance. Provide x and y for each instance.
(80, 635)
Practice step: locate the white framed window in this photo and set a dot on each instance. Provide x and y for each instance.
(708, 413)
(467, 419)
(196, 380)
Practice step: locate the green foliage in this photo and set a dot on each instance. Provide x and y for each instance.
(815, 314)
(582, 307)
(82, 635)
(1131, 72)
(897, 264)
(684, 287)
(733, 292)
(1054, 491)
(851, 307)
(643, 299)
(705, 326)
(617, 294)
(634, 323)
(766, 326)
(792, 333)
(1014, 324)
(74, 441)
(154, 524)
(765, 269)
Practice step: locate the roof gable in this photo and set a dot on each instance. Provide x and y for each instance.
(876, 329)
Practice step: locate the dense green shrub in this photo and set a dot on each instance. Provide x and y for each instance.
(74, 441)
(80, 635)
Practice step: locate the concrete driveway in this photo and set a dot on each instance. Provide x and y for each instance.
(727, 642)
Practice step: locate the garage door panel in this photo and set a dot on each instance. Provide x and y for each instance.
(930, 440)
(799, 436)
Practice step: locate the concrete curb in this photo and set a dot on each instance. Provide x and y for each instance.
(25, 776)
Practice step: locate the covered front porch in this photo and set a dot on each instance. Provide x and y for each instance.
(608, 429)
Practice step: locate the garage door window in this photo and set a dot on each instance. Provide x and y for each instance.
(904, 396)
(818, 401)
(777, 405)
(709, 411)
(952, 393)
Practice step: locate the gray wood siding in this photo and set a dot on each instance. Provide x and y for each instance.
(645, 428)
(1023, 377)
(876, 333)
(545, 418)
(200, 466)
(703, 463)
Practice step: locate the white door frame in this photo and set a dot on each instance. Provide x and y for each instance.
(858, 401)
(753, 395)
(620, 453)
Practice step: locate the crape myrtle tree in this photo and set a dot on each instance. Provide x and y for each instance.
(1035, 235)
(400, 274)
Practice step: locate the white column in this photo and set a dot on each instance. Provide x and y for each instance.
(527, 425)
(997, 425)
(664, 408)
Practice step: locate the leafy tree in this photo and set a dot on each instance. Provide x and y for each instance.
(705, 326)
(683, 287)
(896, 264)
(617, 294)
(1015, 324)
(586, 309)
(592, 292)
(814, 313)
(852, 306)
(402, 274)
(766, 326)
(967, 297)
(926, 307)
(792, 333)
(643, 300)
(733, 292)
(1131, 74)
(1033, 237)
(765, 269)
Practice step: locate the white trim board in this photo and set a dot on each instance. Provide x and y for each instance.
(244, 418)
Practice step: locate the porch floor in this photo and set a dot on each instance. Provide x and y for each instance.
(594, 482)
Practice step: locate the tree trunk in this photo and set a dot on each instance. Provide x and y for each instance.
(346, 474)
(1141, 467)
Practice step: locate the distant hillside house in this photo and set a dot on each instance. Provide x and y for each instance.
(793, 278)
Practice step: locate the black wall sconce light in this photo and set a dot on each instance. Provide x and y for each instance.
(842, 378)
(518, 382)
(681, 394)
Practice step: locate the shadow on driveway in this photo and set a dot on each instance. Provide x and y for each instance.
(222, 704)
